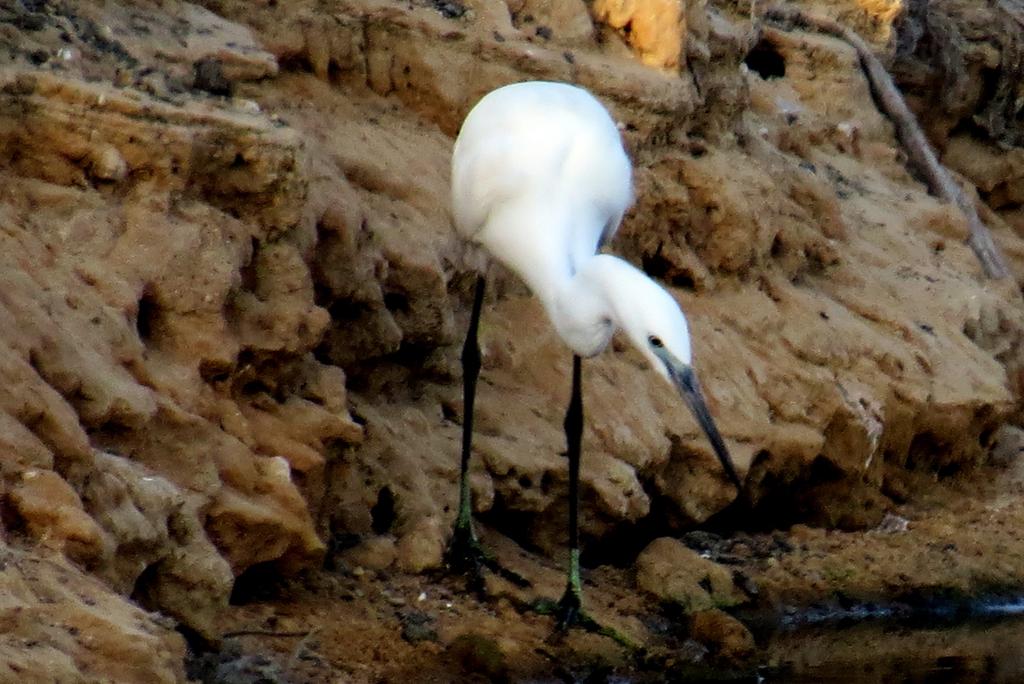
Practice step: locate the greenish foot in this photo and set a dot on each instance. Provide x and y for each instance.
(467, 556)
(568, 611)
(578, 617)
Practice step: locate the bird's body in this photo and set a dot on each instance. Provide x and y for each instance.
(540, 180)
(543, 194)
(542, 161)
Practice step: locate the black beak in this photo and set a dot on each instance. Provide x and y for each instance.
(686, 382)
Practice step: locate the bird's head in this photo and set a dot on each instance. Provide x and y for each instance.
(657, 326)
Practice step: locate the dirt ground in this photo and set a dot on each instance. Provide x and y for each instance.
(232, 304)
(954, 543)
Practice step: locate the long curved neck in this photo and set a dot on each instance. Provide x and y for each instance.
(551, 247)
(587, 308)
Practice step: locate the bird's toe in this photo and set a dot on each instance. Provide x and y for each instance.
(467, 556)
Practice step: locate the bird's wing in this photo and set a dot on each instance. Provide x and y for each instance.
(610, 229)
(542, 140)
(486, 173)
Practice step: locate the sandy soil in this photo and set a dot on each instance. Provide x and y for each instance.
(232, 304)
(350, 624)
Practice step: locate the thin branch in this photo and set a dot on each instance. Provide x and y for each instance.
(918, 149)
(264, 632)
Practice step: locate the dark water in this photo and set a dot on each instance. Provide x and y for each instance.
(984, 645)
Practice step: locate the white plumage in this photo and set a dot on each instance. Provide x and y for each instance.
(540, 179)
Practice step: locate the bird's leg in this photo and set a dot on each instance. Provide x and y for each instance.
(571, 605)
(569, 609)
(464, 551)
(470, 373)
(465, 554)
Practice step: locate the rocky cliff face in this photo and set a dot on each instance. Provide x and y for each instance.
(233, 303)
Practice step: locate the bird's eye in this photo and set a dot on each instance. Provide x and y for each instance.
(655, 341)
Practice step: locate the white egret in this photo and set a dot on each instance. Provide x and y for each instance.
(541, 181)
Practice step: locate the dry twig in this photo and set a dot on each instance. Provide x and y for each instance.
(918, 149)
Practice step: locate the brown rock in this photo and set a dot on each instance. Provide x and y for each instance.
(134, 333)
(158, 528)
(959, 61)
(375, 553)
(271, 523)
(1008, 446)
(568, 20)
(59, 624)
(805, 533)
(422, 546)
(108, 164)
(726, 638)
(656, 28)
(477, 653)
(999, 174)
(674, 573)
(50, 510)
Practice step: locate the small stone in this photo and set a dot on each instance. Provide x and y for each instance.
(893, 523)
(209, 77)
(1007, 445)
(675, 573)
(248, 106)
(376, 553)
(725, 637)
(422, 547)
(691, 651)
(481, 655)
(801, 533)
(417, 626)
(450, 9)
(741, 549)
(108, 164)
